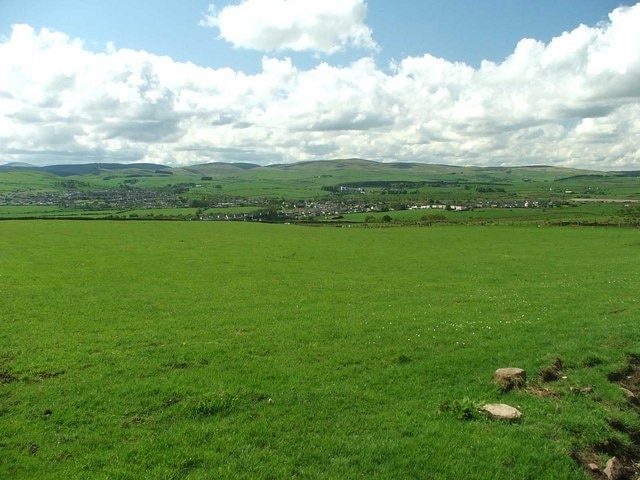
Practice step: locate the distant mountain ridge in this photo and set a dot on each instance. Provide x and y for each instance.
(16, 165)
(64, 170)
(93, 168)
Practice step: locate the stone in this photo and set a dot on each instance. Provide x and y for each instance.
(628, 393)
(615, 470)
(501, 411)
(593, 468)
(510, 378)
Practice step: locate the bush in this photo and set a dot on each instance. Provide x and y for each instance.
(434, 217)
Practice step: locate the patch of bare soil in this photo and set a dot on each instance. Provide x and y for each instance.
(624, 463)
(48, 375)
(552, 372)
(6, 377)
(543, 392)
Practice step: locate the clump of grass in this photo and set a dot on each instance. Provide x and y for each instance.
(403, 359)
(219, 404)
(184, 467)
(592, 361)
(462, 409)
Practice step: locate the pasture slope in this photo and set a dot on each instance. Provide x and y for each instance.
(207, 350)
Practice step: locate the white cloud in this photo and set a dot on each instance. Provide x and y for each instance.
(326, 26)
(573, 102)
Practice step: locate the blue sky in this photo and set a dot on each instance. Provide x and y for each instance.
(457, 30)
(390, 81)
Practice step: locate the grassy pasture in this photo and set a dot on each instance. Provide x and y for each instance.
(26, 180)
(233, 350)
(585, 213)
(40, 211)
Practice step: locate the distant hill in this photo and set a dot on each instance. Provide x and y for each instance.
(630, 173)
(306, 166)
(16, 165)
(241, 165)
(84, 168)
(381, 182)
(219, 168)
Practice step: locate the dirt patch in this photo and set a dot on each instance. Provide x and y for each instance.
(628, 377)
(542, 392)
(167, 402)
(590, 461)
(6, 377)
(176, 365)
(552, 372)
(629, 380)
(626, 453)
(48, 375)
(133, 421)
(611, 448)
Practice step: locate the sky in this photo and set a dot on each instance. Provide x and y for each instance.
(458, 82)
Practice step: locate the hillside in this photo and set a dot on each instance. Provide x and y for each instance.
(301, 191)
(319, 173)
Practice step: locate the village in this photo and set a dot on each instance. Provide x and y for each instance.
(213, 208)
(121, 198)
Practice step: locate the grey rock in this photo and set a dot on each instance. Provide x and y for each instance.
(616, 470)
(501, 411)
(593, 468)
(628, 393)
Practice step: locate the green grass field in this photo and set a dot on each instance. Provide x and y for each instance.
(602, 213)
(198, 350)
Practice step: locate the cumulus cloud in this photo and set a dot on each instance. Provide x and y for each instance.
(574, 102)
(326, 26)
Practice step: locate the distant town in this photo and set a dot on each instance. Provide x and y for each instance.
(265, 209)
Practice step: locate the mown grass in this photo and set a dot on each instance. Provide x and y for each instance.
(220, 350)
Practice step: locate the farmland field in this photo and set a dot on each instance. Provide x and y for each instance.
(204, 350)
